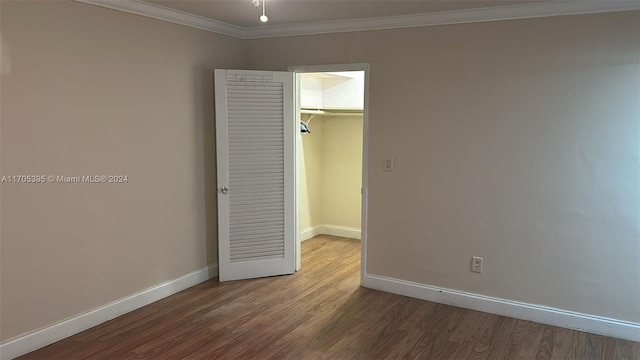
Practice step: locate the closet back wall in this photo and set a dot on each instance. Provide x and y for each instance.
(311, 168)
(331, 175)
(342, 173)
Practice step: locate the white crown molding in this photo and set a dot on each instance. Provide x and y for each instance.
(508, 12)
(171, 15)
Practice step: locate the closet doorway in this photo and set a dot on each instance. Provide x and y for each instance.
(331, 152)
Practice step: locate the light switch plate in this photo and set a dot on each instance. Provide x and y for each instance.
(388, 163)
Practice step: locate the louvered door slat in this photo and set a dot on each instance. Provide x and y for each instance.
(253, 104)
(262, 230)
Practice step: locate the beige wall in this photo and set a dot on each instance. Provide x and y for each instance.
(342, 175)
(311, 170)
(331, 172)
(93, 91)
(514, 140)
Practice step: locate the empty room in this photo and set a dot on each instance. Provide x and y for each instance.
(275, 179)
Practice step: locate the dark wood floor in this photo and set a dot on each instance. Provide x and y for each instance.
(321, 312)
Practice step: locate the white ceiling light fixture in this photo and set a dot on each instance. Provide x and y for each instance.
(263, 17)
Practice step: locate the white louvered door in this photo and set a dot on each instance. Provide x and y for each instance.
(255, 143)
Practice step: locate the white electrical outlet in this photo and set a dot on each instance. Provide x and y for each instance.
(476, 264)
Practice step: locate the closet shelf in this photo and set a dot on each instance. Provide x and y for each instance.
(332, 112)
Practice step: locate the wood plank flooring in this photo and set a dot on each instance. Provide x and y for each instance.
(322, 313)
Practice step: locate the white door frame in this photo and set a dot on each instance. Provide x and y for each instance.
(365, 154)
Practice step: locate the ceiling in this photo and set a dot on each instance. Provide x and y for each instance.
(243, 14)
(240, 19)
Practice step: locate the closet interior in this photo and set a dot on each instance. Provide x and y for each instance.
(330, 168)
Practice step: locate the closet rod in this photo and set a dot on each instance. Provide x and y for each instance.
(331, 111)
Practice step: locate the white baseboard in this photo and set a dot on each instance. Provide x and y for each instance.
(542, 314)
(334, 230)
(343, 231)
(41, 338)
(310, 232)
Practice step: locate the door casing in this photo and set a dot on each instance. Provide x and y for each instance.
(365, 153)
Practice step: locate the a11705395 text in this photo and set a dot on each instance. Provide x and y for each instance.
(64, 179)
